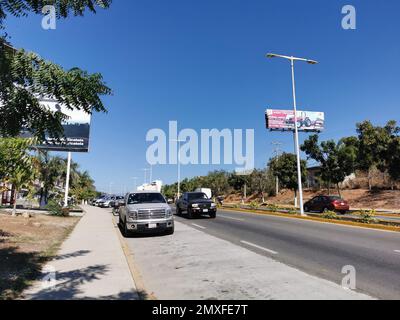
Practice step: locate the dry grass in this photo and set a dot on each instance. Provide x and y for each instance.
(25, 245)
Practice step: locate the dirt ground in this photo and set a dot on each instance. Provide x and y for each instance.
(25, 244)
(358, 198)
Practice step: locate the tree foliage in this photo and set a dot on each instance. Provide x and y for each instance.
(285, 168)
(337, 160)
(25, 77)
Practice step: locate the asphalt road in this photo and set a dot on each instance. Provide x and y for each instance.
(319, 249)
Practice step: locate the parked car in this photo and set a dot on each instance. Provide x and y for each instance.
(106, 202)
(196, 203)
(97, 200)
(115, 201)
(327, 203)
(145, 211)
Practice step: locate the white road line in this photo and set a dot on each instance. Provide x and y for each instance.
(258, 247)
(196, 225)
(225, 217)
(397, 251)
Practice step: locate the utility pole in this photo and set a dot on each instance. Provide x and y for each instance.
(178, 141)
(277, 149)
(145, 175)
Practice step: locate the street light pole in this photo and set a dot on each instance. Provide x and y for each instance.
(145, 175)
(296, 139)
(296, 131)
(179, 164)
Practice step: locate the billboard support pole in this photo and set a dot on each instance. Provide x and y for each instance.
(296, 139)
(67, 180)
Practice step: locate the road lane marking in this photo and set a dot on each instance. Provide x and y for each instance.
(397, 251)
(196, 225)
(258, 247)
(225, 217)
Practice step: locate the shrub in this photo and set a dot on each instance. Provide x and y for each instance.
(254, 205)
(272, 207)
(330, 215)
(368, 216)
(56, 209)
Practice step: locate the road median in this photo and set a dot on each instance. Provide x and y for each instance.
(381, 225)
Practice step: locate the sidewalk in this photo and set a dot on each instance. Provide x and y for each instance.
(90, 264)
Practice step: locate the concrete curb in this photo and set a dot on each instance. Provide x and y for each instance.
(340, 222)
(134, 270)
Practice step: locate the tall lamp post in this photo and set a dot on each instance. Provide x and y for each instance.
(179, 164)
(296, 131)
(145, 175)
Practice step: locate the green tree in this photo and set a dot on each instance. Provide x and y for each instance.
(17, 165)
(285, 168)
(261, 182)
(50, 170)
(83, 187)
(337, 160)
(26, 76)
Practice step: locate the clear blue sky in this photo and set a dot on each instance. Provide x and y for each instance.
(202, 63)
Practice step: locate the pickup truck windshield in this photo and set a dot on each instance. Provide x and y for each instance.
(197, 196)
(136, 198)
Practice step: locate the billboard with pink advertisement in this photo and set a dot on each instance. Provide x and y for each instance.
(283, 120)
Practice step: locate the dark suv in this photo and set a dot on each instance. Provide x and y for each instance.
(327, 203)
(196, 203)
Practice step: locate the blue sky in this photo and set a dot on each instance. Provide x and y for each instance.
(202, 63)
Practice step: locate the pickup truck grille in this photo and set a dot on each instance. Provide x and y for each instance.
(151, 214)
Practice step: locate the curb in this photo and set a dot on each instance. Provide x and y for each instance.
(348, 223)
(134, 270)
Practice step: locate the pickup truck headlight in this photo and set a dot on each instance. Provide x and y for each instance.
(133, 214)
(195, 205)
(213, 205)
(168, 213)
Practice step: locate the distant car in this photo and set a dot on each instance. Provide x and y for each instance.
(327, 203)
(115, 200)
(196, 203)
(107, 202)
(97, 201)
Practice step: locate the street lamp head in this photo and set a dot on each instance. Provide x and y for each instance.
(271, 55)
(312, 62)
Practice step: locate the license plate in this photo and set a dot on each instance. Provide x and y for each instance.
(205, 210)
(152, 225)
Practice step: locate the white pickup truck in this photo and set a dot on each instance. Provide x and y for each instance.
(145, 211)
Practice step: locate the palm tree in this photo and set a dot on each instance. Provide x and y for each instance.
(51, 170)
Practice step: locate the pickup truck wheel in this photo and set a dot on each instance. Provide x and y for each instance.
(190, 213)
(213, 215)
(126, 231)
(178, 211)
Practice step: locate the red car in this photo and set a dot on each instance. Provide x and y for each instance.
(327, 203)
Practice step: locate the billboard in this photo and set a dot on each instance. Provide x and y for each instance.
(283, 120)
(76, 129)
